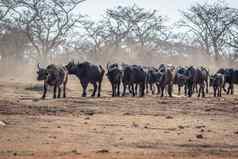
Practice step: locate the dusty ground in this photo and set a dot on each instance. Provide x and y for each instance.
(125, 128)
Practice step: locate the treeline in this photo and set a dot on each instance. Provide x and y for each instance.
(53, 31)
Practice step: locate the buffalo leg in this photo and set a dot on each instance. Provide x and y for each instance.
(130, 88)
(133, 90)
(118, 89)
(136, 89)
(45, 91)
(113, 90)
(94, 89)
(214, 92)
(232, 89)
(179, 89)
(124, 89)
(55, 89)
(185, 90)
(64, 90)
(207, 91)
(195, 88)
(224, 87)
(158, 88)
(190, 90)
(203, 90)
(170, 90)
(99, 88)
(229, 89)
(147, 87)
(219, 92)
(84, 86)
(59, 92)
(162, 91)
(142, 89)
(152, 88)
(199, 91)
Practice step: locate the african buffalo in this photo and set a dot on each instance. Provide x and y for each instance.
(180, 78)
(114, 74)
(231, 77)
(197, 76)
(167, 79)
(87, 73)
(133, 76)
(153, 78)
(55, 76)
(217, 82)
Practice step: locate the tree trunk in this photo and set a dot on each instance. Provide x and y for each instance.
(216, 51)
(44, 58)
(207, 48)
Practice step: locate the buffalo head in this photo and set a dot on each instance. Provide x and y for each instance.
(71, 67)
(41, 73)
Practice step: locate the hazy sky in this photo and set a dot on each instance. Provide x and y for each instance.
(170, 8)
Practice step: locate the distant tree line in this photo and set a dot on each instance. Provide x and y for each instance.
(53, 31)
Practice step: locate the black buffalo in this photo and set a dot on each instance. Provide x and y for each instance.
(114, 75)
(217, 82)
(133, 76)
(55, 76)
(153, 78)
(230, 77)
(180, 79)
(167, 79)
(197, 76)
(87, 73)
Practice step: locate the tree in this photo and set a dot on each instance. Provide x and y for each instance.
(5, 8)
(95, 31)
(135, 22)
(118, 25)
(13, 43)
(46, 22)
(210, 23)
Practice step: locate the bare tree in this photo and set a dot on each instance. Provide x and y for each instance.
(210, 23)
(46, 22)
(146, 24)
(118, 24)
(5, 7)
(13, 43)
(96, 32)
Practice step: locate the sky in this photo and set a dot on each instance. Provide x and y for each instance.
(168, 8)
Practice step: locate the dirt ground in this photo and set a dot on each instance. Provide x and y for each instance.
(118, 128)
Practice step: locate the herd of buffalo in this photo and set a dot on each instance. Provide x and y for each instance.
(139, 80)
